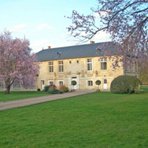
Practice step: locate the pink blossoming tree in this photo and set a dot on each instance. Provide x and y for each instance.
(16, 62)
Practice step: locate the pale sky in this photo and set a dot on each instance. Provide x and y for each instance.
(42, 22)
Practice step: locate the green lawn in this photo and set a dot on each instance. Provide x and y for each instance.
(99, 120)
(16, 95)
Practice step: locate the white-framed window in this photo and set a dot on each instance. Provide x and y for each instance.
(61, 83)
(90, 83)
(89, 64)
(105, 81)
(50, 82)
(42, 82)
(61, 66)
(103, 63)
(51, 69)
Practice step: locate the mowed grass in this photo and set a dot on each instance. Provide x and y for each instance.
(16, 95)
(98, 120)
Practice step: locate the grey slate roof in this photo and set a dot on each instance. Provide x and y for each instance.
(78, 51)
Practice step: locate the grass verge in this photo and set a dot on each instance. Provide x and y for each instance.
(17, 95)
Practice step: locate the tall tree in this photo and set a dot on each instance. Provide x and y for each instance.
(16, 61)
(125, 20)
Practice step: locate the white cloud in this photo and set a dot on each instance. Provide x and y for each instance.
(102, 36)
(40, 44)
(18, 28)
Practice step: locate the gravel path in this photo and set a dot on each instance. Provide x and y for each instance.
(26, 102)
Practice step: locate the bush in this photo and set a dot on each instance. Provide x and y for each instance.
(54, 91)
(125, 84)
(98, 82)
(49, 88)
(63, 88)
(46, 88)
(38, 89)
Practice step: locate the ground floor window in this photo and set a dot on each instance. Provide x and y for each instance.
(90, 83)
(42, 82)
(61, 83)
(50, 82)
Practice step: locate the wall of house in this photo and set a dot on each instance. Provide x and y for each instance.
(76, 69)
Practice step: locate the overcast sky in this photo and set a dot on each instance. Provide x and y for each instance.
(42, 22)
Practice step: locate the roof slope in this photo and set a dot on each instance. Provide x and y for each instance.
(78, 51)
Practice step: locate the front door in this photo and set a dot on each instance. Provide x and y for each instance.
(42, 84)
(105, 84)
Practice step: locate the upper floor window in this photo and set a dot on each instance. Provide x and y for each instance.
(61, 66)
(50, 66)
(103, 62)
(89, 64)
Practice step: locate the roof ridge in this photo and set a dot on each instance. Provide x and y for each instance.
(88, 44)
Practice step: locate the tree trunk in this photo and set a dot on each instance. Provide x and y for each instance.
(8, 84)
(7, 91)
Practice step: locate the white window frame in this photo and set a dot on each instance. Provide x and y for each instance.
(61, 66)
(50, 81)
(89, 65)
(62, 82)
(103, 61)
(51, 66)
(90, 83)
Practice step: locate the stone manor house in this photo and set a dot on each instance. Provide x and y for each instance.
(84, 64)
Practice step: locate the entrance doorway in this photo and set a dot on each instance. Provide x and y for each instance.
(105, 87)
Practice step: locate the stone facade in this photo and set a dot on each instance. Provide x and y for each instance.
(84, 64)
(85, 71)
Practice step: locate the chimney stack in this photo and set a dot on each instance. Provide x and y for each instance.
(92, 42)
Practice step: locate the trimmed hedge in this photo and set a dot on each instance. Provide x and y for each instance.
(125, 84)
(98, 82)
